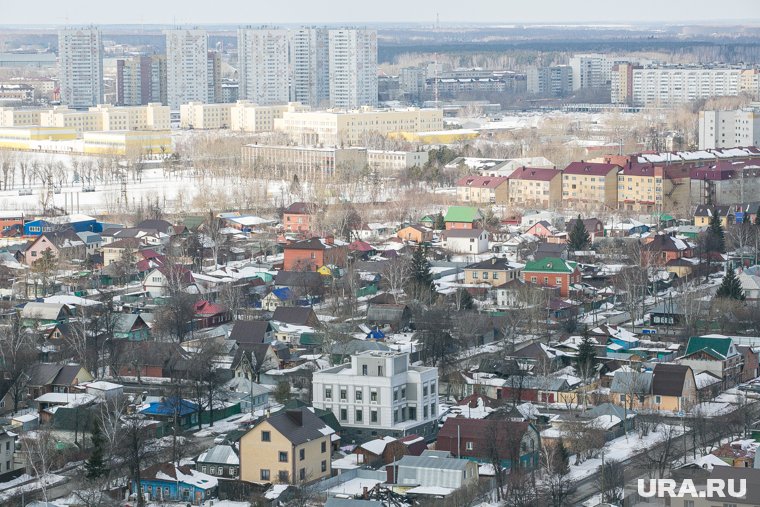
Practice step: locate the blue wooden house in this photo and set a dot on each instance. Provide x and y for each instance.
(166, 482)
(165, 408)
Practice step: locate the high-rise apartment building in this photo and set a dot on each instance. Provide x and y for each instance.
(80, 53)
(141, 80)
(214, 71)
(309, 53)
(264, 65)
(186, 66)
(594, 70)
(729, 129)
(353, 68)
(553, 81)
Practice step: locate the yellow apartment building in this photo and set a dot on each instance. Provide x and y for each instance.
(535, 186)
(591, 183)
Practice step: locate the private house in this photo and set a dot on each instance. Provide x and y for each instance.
(433, 473)
(312, 254)
(483, 189)
(394, 316)
(277, 298)
(207, 314)
(630, 388)
(750, 281)
(542, 229)
(674, 254)
(252, 331)
(592, 183)
(167, 482)
(703, 214)
(495, 271)
(465, 241)
(463, 217)
(292, 446)
(221, 461)
(145, 358)
(159, 225)
(9, 468)
(43, 378)
(518, 443)
(63, 245)
(252, 359)
(534, 186)
(166, 409)
(750, 362)
(380, 451)
(552, 272)
(297, 217)
(158, 281)
(594, 227)
(296, 316)
(674, 388)
(379, 393)
(131, 326)
(716, 354)
(44, 314)
(120, 250)
(415, 233)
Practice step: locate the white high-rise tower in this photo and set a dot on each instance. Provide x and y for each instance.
(186, 66)
(353, 68)
(80, 54)
(309, 54)
(264, 65)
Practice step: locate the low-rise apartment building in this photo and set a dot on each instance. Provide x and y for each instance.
(379, 393)
(535, 186)
(307, 162)
(591, 184)
(483, 189)
(395, 161)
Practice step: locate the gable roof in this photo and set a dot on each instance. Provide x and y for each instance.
(66, 375)
(467, 214)
(296, 315)
(463, 233)
(42, 374)
(169, 472)
(482, 181)
(494, 263)
(220, 455)
(534, 174)
(254, 353)
(299, 208)
(669, 379)
(631, 382)
(43, 311)
(250, 331)
(718, 347)
(157, 225)
(298, 425)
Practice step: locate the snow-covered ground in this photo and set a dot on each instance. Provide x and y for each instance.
(13, 488)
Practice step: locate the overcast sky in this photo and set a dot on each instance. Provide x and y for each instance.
(59, 12)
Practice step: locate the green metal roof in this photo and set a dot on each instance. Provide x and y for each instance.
(462, 214)
(712, 345)
(550, 265)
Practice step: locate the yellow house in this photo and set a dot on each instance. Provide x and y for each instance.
(494, 271)
(289, 447)
(703, 214)
(593, 183)
(669, 387)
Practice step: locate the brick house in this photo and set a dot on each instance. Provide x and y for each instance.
(495, 271)
(535, 186)
(483, 189)
(552, 272)
(380, 451)
(312, 254)
(416, 233)
(463, 217)
(62, 244)
(591, 182)
(594, 227)
(297, 217)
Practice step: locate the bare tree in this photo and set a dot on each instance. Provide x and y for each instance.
(610, 481)
(395, 275)
(205, 379)
(17, 355)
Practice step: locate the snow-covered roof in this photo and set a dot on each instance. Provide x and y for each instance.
(377, 446)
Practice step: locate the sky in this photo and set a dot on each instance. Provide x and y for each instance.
(236, 12)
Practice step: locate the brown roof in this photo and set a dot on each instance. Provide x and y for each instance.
(534, 173)
(591, 168)
(668, 379)
(482, 181)
(299, 208)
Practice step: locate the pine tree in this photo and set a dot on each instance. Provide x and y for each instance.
(421, 267)
(717, 238)
(561, 459)
(731, 288)
(586, 354)
(440, 222)
(95, 466)
(579, 238)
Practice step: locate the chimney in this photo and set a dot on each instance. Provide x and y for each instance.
(330, 240)
(296, 416)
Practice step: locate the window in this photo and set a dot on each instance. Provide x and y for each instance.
(203, 469)
(432, 388)
(282, 476)
(324, 446)
(379, 371)
(424, 390)
(283, 457)
(343, 393)
(328, 393)
(233, 471)
(266, 436)
(302, 474)
(688, 503)
(432, 410)
(301, 454)
(413, 413)
(425, 412)
(373, 396)
(358, 395)
(8, 445)
(395, 394)
(657, 399)
(364, 369)
(324, 465)
(359, 416)
(622, 398)
(533, 279)
(264, 474)
(475, 274)
(212, 470)
(495, 275)
(403, 392)
(343, 414)
(395, 416)
(373, 416)
(485, 275)
(469, 446)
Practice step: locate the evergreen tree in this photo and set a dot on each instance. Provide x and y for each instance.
(586, 355)
(440, 222)
(465, 300)
(716, 235)
(579, 238)
(561, 459)
(731, 288)
(421, 267)
(95, 465)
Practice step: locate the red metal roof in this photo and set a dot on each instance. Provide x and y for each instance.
(591, 168)
(534, 173)
(481, 181)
